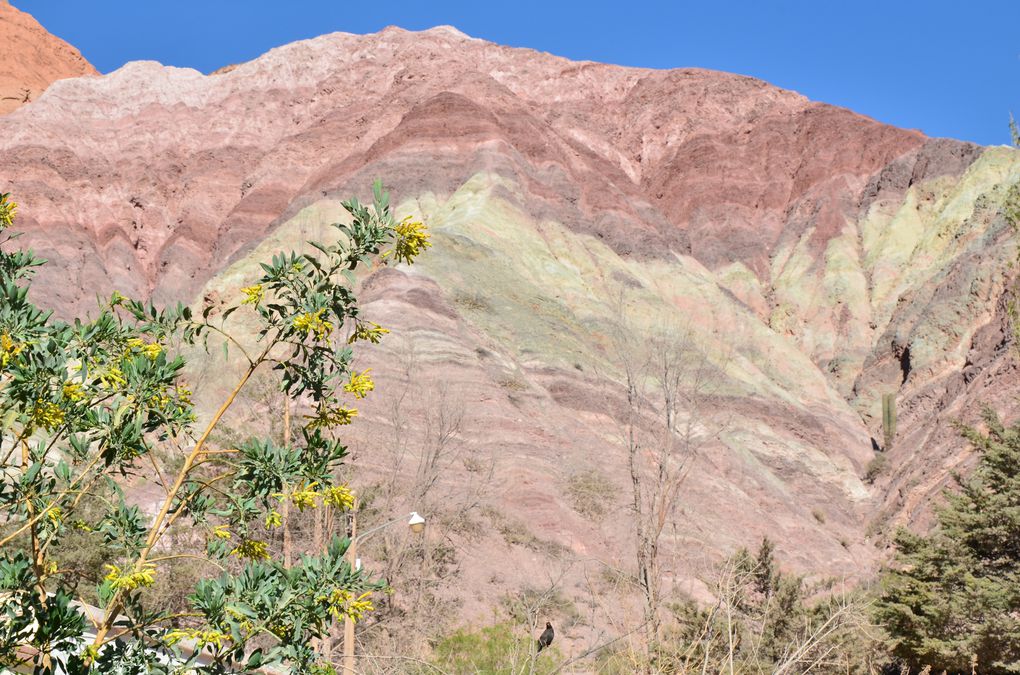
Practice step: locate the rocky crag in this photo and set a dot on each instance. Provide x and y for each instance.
(31, 59)
(815, 258)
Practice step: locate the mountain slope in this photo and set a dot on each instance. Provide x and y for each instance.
(816, 258)
(31, 59)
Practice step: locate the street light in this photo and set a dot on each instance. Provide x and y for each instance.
(416, 524)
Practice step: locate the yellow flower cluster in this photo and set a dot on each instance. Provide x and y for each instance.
(144, 577)
(327, 417)
(342, 603)
(305, 497)
(8, 210)
(253, 295)
(8, 349)
(251, 549)
(360, 384)
(202, 637)
(312, 322)
(111, 377)
(72, 391)
(339, 497)
(47, 415)
(151, 350)
(55, 515)
(162, 399)
(221, 532)
(183, 395)
(412, 239)
(366, 330)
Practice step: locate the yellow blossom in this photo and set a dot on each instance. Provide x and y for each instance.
(339, 496)
(327, 417)
(360, 384)
(47, 415)
(273, 520)
(203, 638)
(366, 330)
(304, 497)
(160, 400)
(183, 395)
(112, 377)
(253, 294)
(72, 391)
(221, 532)
(342, 603)
(412, 240)
(8, 210)
(8, 349)
(144, 577)
(55, 515)
(116, 299)
(252, 549)
(151, 350)
(312, 322)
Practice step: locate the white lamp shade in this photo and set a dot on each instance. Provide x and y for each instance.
(416, 523)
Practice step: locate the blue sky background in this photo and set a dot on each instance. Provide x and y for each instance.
(946, 68)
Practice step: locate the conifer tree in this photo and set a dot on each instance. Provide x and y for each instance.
(951, 600)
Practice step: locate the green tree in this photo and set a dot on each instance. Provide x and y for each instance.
(90, 404)
(951, 600)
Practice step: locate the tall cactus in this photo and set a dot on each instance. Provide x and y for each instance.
(888, 420)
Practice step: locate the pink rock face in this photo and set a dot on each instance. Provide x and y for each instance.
(172, 173)
(31, 59)
(151, 180)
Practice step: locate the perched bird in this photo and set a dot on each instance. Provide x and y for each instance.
(546, 638)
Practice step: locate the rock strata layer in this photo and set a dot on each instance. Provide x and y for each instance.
(815, 259)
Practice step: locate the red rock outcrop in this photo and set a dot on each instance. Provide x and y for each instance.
(31, 59)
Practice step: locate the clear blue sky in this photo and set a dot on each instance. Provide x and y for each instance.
(948, 68)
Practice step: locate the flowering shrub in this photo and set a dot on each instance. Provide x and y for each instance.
(86, 405)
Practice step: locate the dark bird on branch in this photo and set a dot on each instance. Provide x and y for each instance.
(546, 638)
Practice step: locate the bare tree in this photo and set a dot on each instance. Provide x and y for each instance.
(670, 387)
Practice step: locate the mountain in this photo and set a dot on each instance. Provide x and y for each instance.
(813, 258)
(31, 59)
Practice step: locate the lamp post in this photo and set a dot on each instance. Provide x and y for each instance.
(416, 524)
